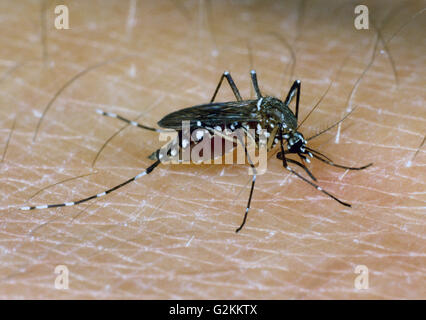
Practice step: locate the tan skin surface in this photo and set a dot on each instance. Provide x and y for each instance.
(172, 234)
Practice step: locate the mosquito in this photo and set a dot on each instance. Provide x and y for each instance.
(267, 112)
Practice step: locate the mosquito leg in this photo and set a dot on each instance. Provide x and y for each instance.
(300, 164)
(255, 84)
(231, 82)
(304, 179)
(295, 87)
(68, 204)
(333, 125)
(133, 123)
(303, 167)
(252, 185)
(318, 187)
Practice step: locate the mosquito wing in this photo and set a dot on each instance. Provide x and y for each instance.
(212, 114)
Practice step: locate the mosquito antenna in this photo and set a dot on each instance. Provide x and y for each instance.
(316, 105)
(309, 149)
(321, 154)
(331, 163)
(332, 126)
(326, 91)
(354, 88)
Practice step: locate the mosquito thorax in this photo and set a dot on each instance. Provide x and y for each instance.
(274, 112)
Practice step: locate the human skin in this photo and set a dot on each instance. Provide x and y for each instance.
(171, 234)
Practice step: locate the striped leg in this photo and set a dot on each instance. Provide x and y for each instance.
(318, 187)
(295, 87)
(68, 204)
(255, 85)
(133, 123)
(253, 181)
(285, 165)
(231, 83)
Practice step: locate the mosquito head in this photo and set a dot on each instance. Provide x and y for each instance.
(296, 143)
